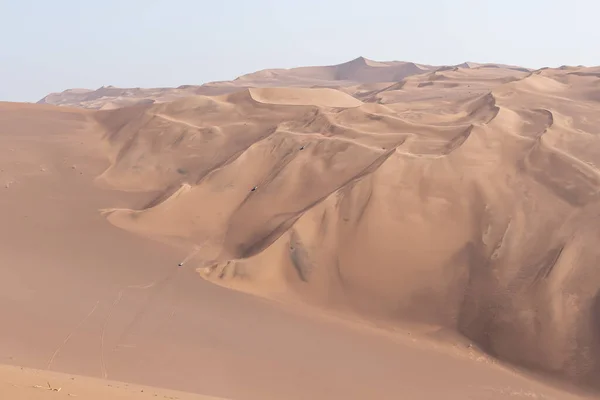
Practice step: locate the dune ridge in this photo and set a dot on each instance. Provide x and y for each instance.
(470, 207)
(360, 71)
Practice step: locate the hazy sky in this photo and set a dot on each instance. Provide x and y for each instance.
(51, 45)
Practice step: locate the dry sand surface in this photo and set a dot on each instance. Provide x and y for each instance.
(416, 239)
(18, 383)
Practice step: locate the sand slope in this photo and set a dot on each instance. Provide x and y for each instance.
(82, 296)
(449, 218)
(468, 202)
(26, 384)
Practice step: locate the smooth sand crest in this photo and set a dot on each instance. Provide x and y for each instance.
(442, 217)
(323, 97)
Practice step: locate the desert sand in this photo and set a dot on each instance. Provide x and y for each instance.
(18, 383)
(392, 231)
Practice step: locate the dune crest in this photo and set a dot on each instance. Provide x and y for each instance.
(323, 97)
(360, 71)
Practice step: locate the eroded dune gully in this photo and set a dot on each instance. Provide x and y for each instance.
(465, 200)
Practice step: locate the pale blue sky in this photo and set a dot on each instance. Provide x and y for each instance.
(52, 45)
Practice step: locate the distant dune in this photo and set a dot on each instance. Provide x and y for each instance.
(449, 215)
(357, 71)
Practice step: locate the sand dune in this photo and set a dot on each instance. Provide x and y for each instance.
(304, 97)
(110, 97)
(402, 238)
(472, 216)
(358, 70)
(348, 74)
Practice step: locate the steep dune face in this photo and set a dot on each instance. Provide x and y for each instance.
(475, 212)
